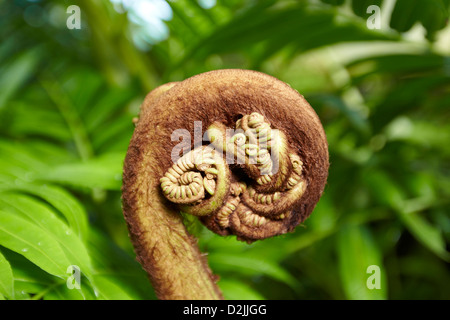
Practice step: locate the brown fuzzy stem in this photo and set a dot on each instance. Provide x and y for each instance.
(239, 199)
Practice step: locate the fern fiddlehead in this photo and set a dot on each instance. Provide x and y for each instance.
(258, 172)
(265, 194)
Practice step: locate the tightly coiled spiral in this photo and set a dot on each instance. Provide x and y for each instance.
(257, 187)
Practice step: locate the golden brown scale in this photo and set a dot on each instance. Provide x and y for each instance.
(167, 252)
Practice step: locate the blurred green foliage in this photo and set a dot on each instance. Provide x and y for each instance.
(68, 97)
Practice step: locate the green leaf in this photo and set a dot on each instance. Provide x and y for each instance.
(237, 290)
(27, 287)
(119, 265)
(24, 237)
(357, 252)
(62, 200)
(432, 14)
(109, 133)
(324, 217)
(355, 118)
(389, 193)
(106, 288)
(103, 172)
(16, 73)
(6, 278)
(18, 157)
(274, 28)
(105, 108)
(383, 189)
(60, 291)
(419, 132)
(250, 265)
(82, 85)
(22, 122)
(424, 64)
(27, 278)
(430, 236)
(39, 214)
